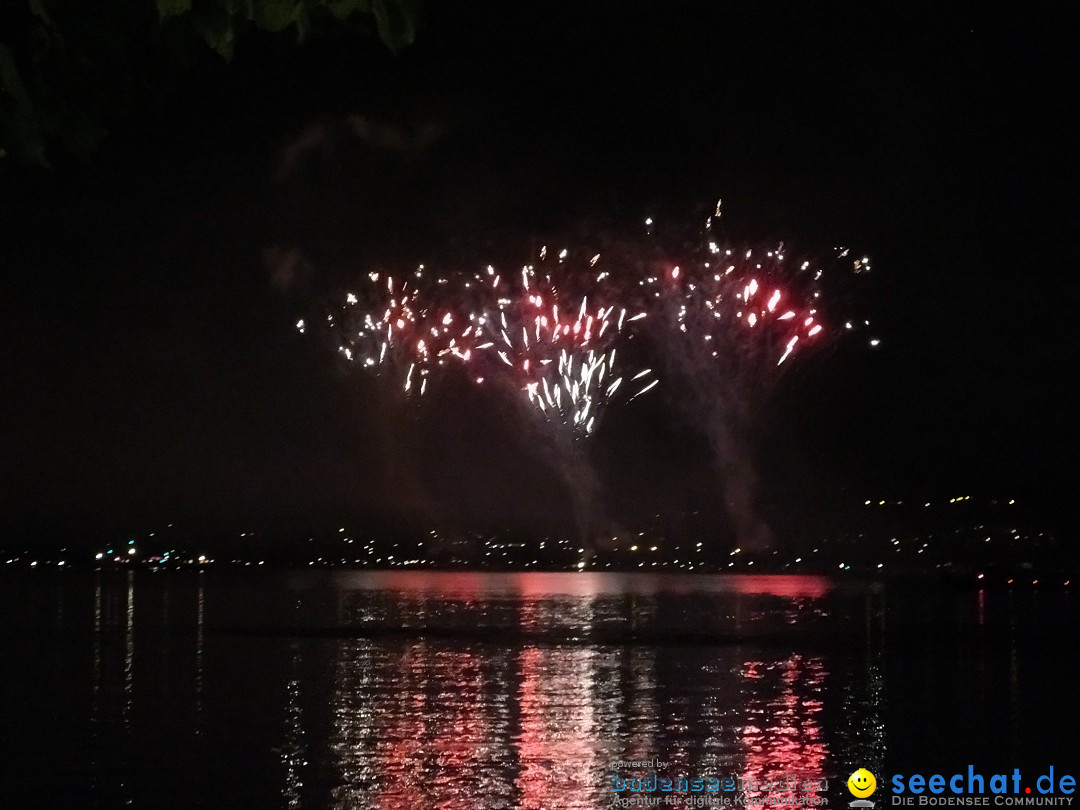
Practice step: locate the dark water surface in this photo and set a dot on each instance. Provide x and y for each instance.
(454, 690)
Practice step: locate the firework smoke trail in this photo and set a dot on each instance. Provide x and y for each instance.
(406, 328)
(728, 322)
(546, 334)
(558, 329)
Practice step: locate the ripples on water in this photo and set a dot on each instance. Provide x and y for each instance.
(423, 690)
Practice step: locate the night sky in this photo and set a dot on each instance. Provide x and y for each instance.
(152, 372)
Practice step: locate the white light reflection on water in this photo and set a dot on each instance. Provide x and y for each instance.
(507, 703)
(468, 690)
(129, 649)
(293, 751)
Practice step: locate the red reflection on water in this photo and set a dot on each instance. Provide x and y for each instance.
(532, 750)
(402, 749)
(436, 758)
(432, 729)
(555, 749)
(475, 584)
(783, 737)
(793, 585)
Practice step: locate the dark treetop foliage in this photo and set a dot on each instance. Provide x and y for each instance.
(68, 70)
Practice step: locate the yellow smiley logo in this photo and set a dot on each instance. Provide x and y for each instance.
(861, 783)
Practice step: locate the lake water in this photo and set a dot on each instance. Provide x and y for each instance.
(460, 690)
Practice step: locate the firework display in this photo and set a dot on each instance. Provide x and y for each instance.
(543, 329)
(409, 324)
(731, 318)
(555, 329)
